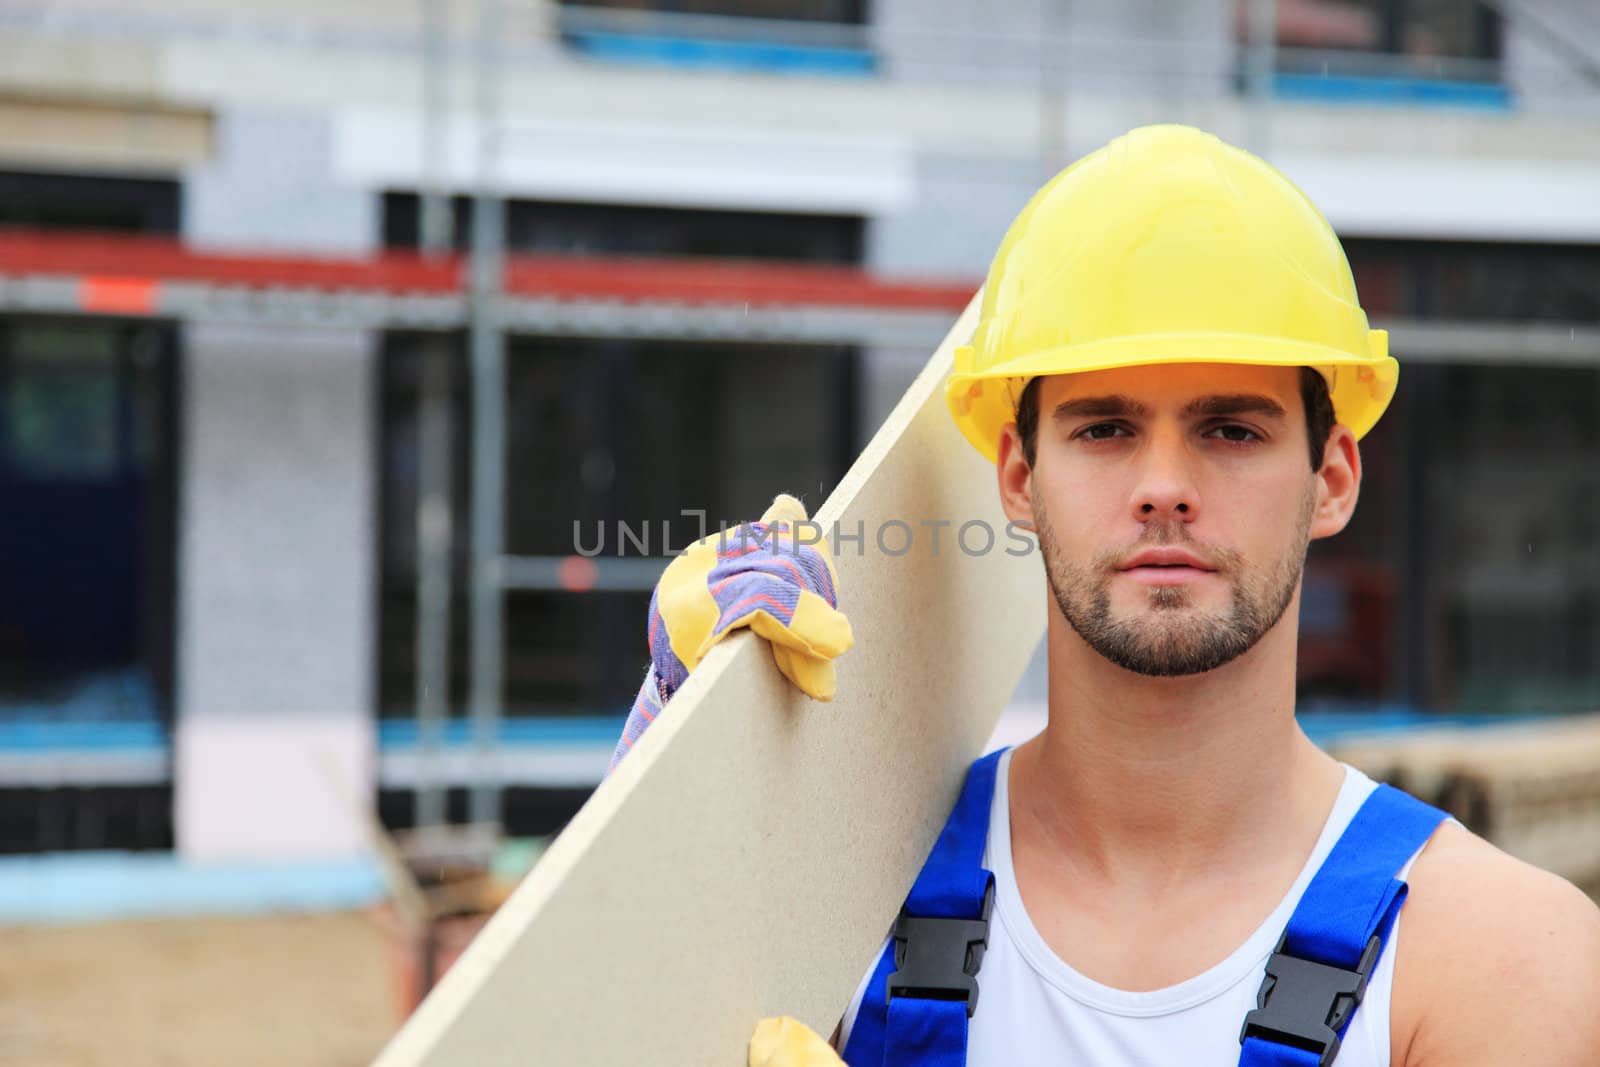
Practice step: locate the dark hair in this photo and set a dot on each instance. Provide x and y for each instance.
(1313, 395)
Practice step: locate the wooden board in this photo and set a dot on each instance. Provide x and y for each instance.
(748, 856)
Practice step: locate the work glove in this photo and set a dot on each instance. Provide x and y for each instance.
(758, 575)
(787, 1042)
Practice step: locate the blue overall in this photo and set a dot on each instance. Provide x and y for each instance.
(924, 989)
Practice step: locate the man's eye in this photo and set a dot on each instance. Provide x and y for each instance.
(1101, 431)
(1235, 434)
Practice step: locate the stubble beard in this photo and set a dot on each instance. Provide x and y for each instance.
(1174, 640)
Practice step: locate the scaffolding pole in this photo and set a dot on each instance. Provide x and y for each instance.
(435, 535)
(488, 425)
(434, 538)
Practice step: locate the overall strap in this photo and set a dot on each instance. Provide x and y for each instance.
(924, 989)
(1317, 976)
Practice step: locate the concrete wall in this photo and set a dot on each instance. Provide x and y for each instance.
(953, 226)
(1548, 43)
(270, 184)
(951, 230)
(276, 624)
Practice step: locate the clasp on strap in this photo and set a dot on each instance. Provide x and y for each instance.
(1303, 1003)
(938, 958)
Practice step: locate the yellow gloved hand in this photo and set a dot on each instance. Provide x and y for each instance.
(758, 575)
(787, 1042)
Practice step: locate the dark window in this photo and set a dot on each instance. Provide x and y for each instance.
(90, 818)
(524, 811)
(1476, 281)
(630, 230)
(1469, 578)
(1510, 575)
(88, 491)
(74, 202)
(87, 485)
(1385, 51)
(1421, 29)
(601, 432)
(811, 37)
(845, 11)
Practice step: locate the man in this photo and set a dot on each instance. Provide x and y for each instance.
(1171, 374)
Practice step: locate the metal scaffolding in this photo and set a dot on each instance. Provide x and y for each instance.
(488, 427)
(490, 294)
(435, 536)
(141, 277)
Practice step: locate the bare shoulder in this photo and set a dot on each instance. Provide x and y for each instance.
(1499, 961)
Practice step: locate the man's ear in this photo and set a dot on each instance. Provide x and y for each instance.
(1015, 478)
(1338, 483)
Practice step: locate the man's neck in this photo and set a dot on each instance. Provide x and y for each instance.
(1145, 782)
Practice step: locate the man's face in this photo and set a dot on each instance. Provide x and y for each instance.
(1173, 506)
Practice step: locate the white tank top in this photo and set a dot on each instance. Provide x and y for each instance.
(1036, 1010)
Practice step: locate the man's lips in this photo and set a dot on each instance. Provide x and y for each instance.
(1167, 557)
(1166, 566)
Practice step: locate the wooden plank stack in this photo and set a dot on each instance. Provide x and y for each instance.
(1532, 788)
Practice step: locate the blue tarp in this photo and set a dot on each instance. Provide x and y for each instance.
(88, 886)
(660, 50)
(1395, 91)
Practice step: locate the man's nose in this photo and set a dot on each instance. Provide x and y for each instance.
(1166, 488)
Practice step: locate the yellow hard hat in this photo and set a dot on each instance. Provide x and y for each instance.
(1167, 246)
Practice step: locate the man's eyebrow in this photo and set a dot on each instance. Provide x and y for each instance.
(1116, 406)
(1235, 404)
(1100, 407)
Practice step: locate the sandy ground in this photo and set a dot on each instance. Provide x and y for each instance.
(280, 990)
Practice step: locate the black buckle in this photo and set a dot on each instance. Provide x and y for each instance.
(1303, 1003)
(938, 959)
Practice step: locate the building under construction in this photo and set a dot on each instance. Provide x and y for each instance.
(330, 333)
